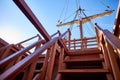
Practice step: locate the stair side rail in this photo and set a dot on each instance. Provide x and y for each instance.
(112, 43)
(24, 63)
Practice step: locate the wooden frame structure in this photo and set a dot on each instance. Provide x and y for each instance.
(55, 58)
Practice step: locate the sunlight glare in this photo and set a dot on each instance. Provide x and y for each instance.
(10, 34)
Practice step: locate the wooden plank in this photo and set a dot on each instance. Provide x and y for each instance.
(106, 64)
(20, 66)
(85, 51)
(50, 67)
(61, 58)
(83, 60)
(113, 61)
(29, 72)
(113, 40)
(83, 56)
(59, 77)
(84, 71)
(33, 19)
(40, 62)
(45, 65)
(82, 39)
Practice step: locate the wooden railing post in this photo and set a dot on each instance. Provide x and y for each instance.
(115, 68)
(61, 58)
(98, 34)
(61, 64)
(44, 68)
(51, 63)
(74, 44)
(29, 71)
(106, 58)
(69, 38)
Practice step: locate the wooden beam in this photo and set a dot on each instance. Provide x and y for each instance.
(45, 65)
(20, 66)
(106, 63)
(113, 61)
(51, 63)
(33, 19)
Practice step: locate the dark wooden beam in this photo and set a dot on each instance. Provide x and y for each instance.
(33, 19)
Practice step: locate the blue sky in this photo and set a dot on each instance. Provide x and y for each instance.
(15, 27)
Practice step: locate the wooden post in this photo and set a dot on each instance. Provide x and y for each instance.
(50, 68)
(69, 35)
(58, 77)
(74, 44)
(44, 68)
(115, 68)
(61, 58)
(81, 34)
(29, 72)
(107, 62)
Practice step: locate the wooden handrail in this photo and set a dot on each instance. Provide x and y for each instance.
(82, 39)
(61, 42)
(111, 43)
(112, 39)
(64, 34)
(58, 32)
(99, 28)
(28, 39)
(21, 65)
(76, 43)
(14, 55)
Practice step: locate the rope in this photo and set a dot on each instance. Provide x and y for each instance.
(78, 4)
(66, 9)
(89, 21)
(69, 16)
(71, 26)
(62, 12)
(104, 4)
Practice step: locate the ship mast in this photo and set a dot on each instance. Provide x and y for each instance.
(79, 11)
(82, 20)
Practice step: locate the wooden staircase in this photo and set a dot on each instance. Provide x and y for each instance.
(56, 58)
(88, 65)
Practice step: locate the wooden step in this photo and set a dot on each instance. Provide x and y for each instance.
(40, 62)
(84, 71)
(84, 65)
(83, 60)
(38, 71)
(85, 51)
(83, 56)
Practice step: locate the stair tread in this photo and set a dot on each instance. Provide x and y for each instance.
(84, 71)
(85, 51)
(83, 60)
(40, 62)
(37, 71)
